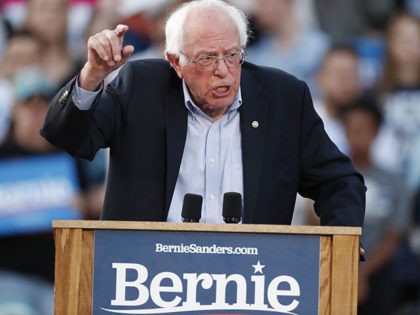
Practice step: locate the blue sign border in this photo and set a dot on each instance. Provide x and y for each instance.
(178, 253)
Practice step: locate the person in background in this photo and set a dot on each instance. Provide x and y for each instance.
(400, 95)
(32, 92)
(23, 50)
(287, 42)
(338, 84)
(48, 20)
(387, 218)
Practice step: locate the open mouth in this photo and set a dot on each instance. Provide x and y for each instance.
(221, 91)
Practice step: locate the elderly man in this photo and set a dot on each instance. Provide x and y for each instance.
(205, 123)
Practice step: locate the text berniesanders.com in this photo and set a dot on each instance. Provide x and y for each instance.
(197, 249)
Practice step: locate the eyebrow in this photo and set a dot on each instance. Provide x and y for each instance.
(214, 52)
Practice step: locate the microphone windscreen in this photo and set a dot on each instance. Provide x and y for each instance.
(232, 205)
(191, 208)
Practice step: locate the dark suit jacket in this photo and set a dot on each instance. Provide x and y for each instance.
(142, 117)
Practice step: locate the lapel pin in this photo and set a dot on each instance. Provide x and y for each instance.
(255, 124)
(63, 99)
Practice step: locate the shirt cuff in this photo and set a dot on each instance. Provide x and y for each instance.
(82, 98)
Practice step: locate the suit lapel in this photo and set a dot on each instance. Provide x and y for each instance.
(253, 113)
(176, 133)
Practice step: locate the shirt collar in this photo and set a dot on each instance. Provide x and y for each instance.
(195, 110)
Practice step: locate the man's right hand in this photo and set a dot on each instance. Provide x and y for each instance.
(105, 54)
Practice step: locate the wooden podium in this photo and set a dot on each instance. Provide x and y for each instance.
(338, 259)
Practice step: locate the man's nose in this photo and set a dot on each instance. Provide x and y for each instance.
(221, 68)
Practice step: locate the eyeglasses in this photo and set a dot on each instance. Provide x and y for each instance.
(210, 62)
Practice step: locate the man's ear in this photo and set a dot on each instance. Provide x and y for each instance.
(175, 63)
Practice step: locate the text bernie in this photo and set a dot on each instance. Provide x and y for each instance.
(179, 293)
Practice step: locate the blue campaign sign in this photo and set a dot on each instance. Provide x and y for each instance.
(163, 272)
(36, 190)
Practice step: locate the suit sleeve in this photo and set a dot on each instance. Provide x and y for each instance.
(83, 132)
(327, 175)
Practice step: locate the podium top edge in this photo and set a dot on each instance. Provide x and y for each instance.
(203, 227)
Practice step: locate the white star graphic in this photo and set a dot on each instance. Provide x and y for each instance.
(258, 267)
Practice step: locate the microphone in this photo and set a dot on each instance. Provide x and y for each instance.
(232, 207)
(191, 208)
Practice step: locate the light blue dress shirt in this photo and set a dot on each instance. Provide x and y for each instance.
(212, 160)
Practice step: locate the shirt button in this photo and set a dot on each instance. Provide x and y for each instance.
(212, 197)
(212, 161)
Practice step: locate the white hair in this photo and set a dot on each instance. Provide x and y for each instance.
(174, 30)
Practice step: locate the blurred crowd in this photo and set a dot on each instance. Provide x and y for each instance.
(361, 60)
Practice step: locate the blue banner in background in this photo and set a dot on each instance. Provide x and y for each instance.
(159, 272)
(36, 190)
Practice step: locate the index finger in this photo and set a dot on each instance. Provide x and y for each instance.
(120, 30)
